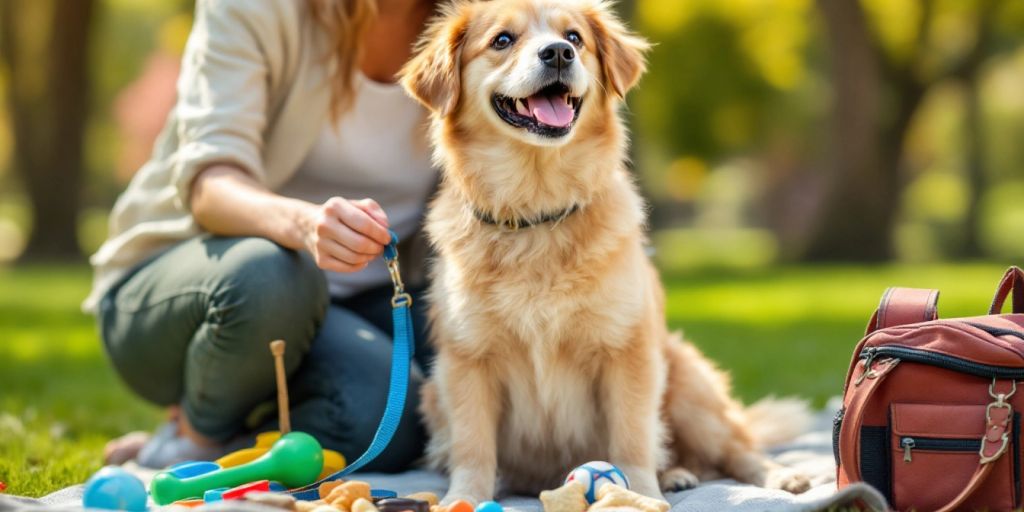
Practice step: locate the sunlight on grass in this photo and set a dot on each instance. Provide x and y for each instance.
(60, 402)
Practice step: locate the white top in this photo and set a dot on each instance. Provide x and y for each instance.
(377, 149)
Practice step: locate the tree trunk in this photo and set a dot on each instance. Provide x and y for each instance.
(48, 120)
(858, 210)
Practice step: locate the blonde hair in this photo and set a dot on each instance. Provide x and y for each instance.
(345, 22)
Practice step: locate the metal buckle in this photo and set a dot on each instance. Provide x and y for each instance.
(400, 298)
(1001, 397)
(999, 403)
(510, 225)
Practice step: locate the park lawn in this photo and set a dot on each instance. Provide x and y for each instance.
(786, 331)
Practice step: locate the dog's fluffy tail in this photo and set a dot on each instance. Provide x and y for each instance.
(774, 421)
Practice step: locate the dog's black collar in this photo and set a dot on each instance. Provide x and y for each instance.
(515, 224)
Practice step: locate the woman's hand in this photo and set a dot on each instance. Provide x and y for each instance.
(345, 235)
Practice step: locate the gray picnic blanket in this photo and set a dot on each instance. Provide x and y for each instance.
(811, 453)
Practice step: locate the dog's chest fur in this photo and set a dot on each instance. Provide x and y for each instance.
(548, 335)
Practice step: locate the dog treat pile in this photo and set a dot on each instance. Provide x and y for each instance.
(354, 496)
(571, 497)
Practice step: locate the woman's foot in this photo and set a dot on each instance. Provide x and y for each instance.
(168, 446)
(173, 442)
(125, 448)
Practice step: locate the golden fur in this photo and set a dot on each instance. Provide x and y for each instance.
(552, 343)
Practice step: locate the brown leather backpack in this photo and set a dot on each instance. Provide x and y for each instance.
(931, 417)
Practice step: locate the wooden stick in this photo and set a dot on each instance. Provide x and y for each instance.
(284, 417)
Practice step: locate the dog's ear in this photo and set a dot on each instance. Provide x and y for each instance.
(432, 75)
(622, 53)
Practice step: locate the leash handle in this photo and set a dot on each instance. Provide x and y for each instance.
(401, 358)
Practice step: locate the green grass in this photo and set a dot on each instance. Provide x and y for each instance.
(785, 331)
(59, 400)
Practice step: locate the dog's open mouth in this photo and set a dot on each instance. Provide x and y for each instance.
(550, 111)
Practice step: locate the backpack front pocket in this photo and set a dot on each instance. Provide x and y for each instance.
(935, 447)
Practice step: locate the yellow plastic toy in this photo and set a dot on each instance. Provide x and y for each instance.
(333, 461)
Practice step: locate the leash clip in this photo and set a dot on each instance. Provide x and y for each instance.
(1000, 398)
(400, 297)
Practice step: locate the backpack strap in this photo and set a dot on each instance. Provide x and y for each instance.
(998, 419)
(1013, 280)
(901, 306)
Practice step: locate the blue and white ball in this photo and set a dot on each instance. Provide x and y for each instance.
(595, 474)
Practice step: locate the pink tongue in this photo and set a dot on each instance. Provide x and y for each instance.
(551, 111)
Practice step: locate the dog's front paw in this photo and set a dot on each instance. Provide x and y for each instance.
(787, 479)
(678, 479)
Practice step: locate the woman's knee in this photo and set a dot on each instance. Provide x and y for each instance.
(269, 292)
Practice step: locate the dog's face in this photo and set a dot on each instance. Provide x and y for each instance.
(533, 69)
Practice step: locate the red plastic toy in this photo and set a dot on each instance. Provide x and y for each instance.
(239, 492)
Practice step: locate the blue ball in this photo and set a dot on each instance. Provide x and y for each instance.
(489, 506)
(113, 488)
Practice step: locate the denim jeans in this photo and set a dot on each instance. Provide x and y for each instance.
(192, 327)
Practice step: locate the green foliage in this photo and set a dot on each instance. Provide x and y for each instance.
(783, 331)
(719, 71)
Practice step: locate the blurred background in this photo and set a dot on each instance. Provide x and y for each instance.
(799, 157)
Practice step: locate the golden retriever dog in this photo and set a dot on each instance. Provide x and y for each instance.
(546, 313)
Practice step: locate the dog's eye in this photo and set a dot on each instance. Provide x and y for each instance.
(502, 41)
(574, 37)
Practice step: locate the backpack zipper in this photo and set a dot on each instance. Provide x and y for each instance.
(908, 444)
(916, 355)
(837, 425)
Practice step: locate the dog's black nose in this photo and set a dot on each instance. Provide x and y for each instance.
(557, 55)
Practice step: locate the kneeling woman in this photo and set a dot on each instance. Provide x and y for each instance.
(262, 215)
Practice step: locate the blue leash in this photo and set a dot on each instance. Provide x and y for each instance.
(401, 357)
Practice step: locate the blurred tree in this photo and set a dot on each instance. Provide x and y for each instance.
(878, 85)
(727, 78)
(47, 96)
(975, 129)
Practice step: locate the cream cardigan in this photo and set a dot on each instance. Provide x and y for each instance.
(253, 93)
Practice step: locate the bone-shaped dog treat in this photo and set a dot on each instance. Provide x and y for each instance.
(567, 498)
(611, 496)
(343, 496)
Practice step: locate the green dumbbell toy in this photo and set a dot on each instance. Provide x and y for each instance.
(295, 460)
